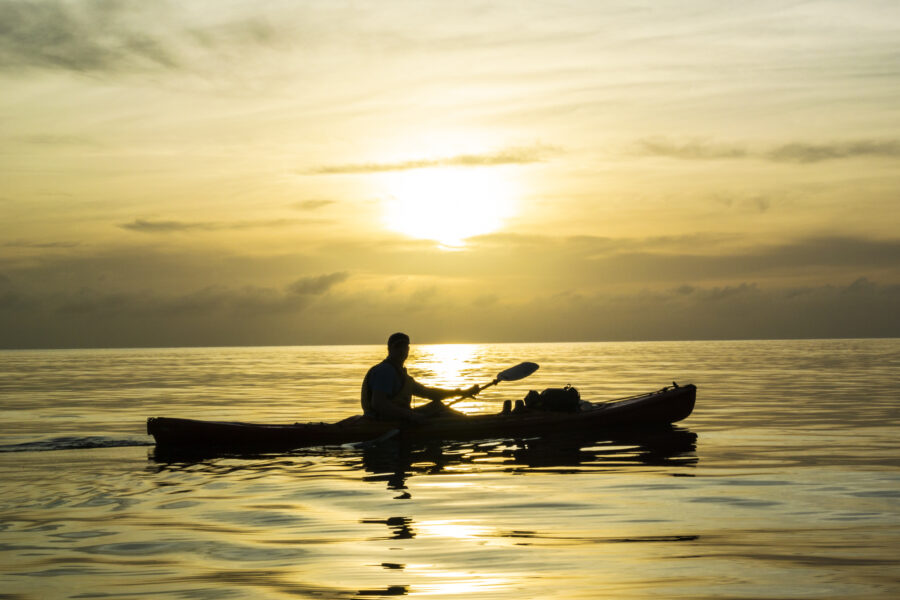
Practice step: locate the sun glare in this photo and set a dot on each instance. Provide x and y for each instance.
(449, 364)
(447, 205)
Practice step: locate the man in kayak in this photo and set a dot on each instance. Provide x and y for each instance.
(387, 389)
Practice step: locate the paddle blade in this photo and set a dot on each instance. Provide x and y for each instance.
(520, 371)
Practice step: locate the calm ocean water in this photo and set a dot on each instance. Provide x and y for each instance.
(784, 483)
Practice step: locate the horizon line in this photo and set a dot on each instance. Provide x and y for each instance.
(545, 342)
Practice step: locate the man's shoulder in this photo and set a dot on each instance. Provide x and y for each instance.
(383, 377)
(384, 371)
(382, 368)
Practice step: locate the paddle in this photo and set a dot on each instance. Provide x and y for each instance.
(520, 371)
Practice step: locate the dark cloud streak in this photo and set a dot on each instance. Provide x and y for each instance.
(315, 286)
(118, 36)
(150, 226)
(691, 150)
(89, 36)
(795, 152)
(48, 139)
(813, 153)
(508, 156)
(310, 205)
(40, 245)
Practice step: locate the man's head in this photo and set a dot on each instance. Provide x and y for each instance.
(398, 346)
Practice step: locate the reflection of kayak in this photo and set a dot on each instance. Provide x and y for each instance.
(665, 406)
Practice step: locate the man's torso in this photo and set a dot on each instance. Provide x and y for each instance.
(393, 382)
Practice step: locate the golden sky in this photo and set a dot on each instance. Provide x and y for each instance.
(208, 173)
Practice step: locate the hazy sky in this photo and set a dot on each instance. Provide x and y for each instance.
(208, 172)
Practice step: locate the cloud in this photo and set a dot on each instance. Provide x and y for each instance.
(87, 36)
(861, 285)
(10, 298)
(528, 263)
(587, 262)
(41, 245)
(151, 226)
(252, 31)
(719, 294)
(244, 301)
(691, 150)
(508, 156)
(798, 258)
(148, 226)
(752, 202)
(213, 300)
(118, 36)
(515, 263)
(796, 152)
(835, 251)
(761, 203)
(752, 311)
(505, 288)
(47, 139)
(433, 313)
(317, 285)
(311, 205)
(813, 153)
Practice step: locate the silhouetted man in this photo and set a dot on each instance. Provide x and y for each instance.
(387, 389)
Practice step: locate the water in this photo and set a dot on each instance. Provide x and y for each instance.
(784, 483)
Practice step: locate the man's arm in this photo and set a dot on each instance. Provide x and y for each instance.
(386, 409)
(440, 393)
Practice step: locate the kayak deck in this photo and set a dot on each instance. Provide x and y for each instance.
(664, 406)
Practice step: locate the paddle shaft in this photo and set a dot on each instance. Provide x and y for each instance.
(480, 389)
(520, 371)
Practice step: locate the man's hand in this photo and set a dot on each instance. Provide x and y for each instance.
(469, 392)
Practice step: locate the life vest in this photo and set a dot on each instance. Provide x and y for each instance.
(401, 398)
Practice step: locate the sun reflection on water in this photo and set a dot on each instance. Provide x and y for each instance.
(467, 583)
(460, 366)
(455, 529)
(447, 365)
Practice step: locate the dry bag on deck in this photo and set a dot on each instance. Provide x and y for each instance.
(564, 399)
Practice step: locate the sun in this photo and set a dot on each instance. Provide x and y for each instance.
(447, 205)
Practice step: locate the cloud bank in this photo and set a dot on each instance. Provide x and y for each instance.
(577, 288)
(245, 302)
(314, 311)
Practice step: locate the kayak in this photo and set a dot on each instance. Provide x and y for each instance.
(665, 406)
(662, 407)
